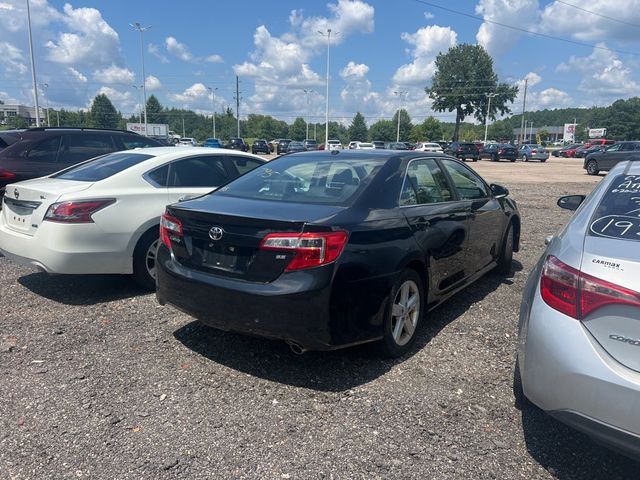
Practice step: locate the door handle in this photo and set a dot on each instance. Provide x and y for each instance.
(422, 222)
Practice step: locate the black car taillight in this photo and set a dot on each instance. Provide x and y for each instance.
(169, 227)
(311, 249)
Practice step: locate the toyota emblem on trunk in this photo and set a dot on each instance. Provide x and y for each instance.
(216, 233)
(15, 193)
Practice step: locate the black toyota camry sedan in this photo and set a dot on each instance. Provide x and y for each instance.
(329, 249)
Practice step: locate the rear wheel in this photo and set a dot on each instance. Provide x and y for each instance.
(144, 260)
(524, 158)
(404, 312)
(512, 160)
(592, 167)
(543, 160)
(475, 159)
(506, 255)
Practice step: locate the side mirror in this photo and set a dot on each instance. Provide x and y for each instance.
(571, 202)
(499, 191)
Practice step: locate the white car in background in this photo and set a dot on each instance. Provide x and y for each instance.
(187, 142)
(364, 146)
(103, 215)
(334, 145)
(428, 147)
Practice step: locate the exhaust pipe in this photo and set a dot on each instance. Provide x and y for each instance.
(296, 348)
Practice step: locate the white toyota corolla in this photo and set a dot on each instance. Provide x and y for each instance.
(102, 216)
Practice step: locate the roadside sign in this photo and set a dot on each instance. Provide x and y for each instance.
(597, 132)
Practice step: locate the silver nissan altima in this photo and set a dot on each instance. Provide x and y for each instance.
(579, 329)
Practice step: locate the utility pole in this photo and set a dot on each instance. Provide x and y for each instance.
(307, 92)
(238, 103)
(33, 68)
(531, 132)
(141, 29)
(45, 86)
(58, 116)
(139, 91)
(524, 107)
(213, 108)
(399, 95)
(183, 134)
(326, 107)
(486, 118)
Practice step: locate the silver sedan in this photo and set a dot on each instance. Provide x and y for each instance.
(579, 327)
(533, 152)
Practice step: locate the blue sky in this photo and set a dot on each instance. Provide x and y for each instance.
(87, 47)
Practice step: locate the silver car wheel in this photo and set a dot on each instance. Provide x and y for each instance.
(405, 313)
(524, 158)
(150, 258)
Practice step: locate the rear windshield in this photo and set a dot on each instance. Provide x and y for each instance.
(323, 181)
(7, 139)
(102, 167)
(618, 215)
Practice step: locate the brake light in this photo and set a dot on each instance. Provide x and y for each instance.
(169, 226)
(6, 175)
(534, 151)
(76, 212)
(578, 294)
(311, 249)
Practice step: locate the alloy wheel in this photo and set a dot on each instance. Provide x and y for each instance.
(150, 258)
(405, 312)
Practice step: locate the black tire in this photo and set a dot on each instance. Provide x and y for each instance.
(388, 345)
(141, 261)
(494, 158)
(512, 160)
(542, 161)
(592, 167)
(524, 158)
(475, 159)
(506, 253)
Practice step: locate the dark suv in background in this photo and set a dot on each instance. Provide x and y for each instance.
(237, 144)
(282, 146)
(260, 146)
(499, 151)
(605, 160)
(36, 152)
(463, 150)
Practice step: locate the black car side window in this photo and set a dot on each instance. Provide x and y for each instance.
(81, 147)
(468, 185)
(201, 171)
(244, 164)
(424, 183)
(45, 151)
(136, 141)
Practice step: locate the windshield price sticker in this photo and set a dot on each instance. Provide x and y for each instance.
(630, 184)
(617, 226)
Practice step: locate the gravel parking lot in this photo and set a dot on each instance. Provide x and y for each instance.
(98, 381)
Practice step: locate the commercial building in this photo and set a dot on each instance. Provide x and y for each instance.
(531, 133)
(28, 113)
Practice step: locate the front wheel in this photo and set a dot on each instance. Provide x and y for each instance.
(404, 311)
(144, 260)
(524, 158)
(592, 167)
(506, 255)
(475, 159)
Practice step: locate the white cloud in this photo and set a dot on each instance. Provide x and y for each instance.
(553, 98)
(604, 76)
(197, 97)
(354, 70)
(12, 58)
(114, 74)
(497, 39)
(214, 58)
(177, 49)
(429, 16)
(77, 75)
(92, 42)
(121, 100)
(6, 98)
(155, 51)
(152, 83)
(560, 18)
(427, 43)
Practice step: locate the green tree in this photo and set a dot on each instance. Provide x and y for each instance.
(155, 112)
(17, 121)
(383, 130)
(430, 129)
(358, 130)
(405, 124)
(463, 77)
(103, 113)
(502, 130)
(298, 130)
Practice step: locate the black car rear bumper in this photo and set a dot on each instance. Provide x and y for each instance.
(299, 307)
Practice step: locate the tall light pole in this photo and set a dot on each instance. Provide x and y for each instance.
(139, 90)
(399, 95)
(486, 118)
(213, 108)
(307, 92)
(33, 67)
(326, 108)
(137, 26)
(45, 87)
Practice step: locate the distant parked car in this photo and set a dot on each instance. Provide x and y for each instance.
(396, 146)
(295, 147)
(428, 147)
(311, 144)
(260, 146)
(36, 152)
(273, 144)
(579, 326)
(364, 146)
(410, 146)
(379, 144)
(561, 152)
(533, 152)
(605, 160)
(282, 145)
(103, 215)
(212, 143)
(463, 150)
(499, 151)
(187, 142)
(334, 145)
(237, 144)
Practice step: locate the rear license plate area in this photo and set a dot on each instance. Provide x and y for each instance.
(219, 256)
